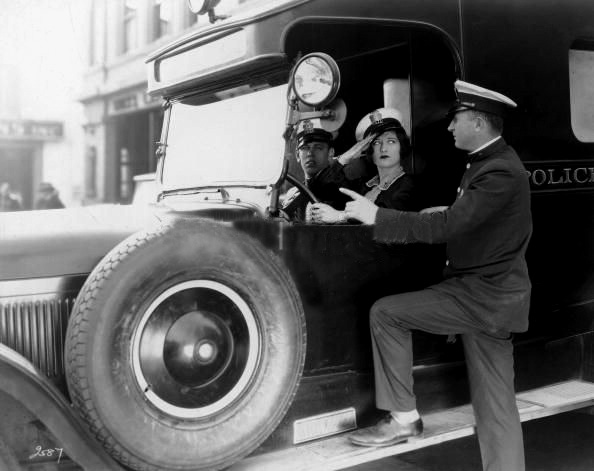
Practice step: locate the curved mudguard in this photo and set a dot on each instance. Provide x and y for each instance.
(20, 379)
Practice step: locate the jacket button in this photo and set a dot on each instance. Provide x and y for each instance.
(467, 166)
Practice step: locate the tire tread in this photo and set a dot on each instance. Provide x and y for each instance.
(78, 384)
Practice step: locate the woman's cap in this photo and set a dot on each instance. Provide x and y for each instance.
(378, 121)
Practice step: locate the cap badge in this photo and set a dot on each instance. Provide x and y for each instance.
(308, 126)
(376, 117)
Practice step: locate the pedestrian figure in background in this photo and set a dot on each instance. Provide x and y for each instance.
(48, 197)
(485, 294)
(8, 201)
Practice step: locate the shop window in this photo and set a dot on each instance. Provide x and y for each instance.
(581, 92)
(95, 34)
(155, 126)
(10, 95)
(92, 35)
(162, 18)
(130, 25)
(91, 173)
(126, 182)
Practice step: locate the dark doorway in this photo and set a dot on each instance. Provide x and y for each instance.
(136, 135)
(16, 168)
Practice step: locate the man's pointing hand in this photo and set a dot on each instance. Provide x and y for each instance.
(360, 208)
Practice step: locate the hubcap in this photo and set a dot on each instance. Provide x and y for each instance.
(195, 349)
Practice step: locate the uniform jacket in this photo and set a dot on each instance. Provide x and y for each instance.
(403, 194)
(486, 231)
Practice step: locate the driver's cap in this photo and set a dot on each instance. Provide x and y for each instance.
(378, 121)
(309, 130)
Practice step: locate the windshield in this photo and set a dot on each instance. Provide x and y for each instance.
(237, 141)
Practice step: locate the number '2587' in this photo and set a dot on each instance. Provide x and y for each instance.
(48, 452)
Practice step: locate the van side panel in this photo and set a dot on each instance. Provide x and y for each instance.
(522, 50)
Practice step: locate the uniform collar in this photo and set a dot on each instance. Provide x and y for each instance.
(375, 181)
(315, 177)
(488, 149)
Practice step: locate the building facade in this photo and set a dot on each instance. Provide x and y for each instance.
(36, 144)
(122, 122)
(40, 117)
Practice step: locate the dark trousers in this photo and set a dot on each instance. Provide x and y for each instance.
(489, 360)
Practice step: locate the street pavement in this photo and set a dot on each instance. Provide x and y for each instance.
(559, 443)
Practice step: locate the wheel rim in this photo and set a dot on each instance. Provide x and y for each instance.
(195, 349)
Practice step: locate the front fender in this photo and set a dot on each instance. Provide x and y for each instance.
(37, 244)
(24, 383)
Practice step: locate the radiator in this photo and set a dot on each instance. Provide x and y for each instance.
(34, 317)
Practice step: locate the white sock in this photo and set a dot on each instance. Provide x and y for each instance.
(406, 417)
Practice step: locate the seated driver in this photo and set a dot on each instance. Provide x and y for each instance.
(324, 174)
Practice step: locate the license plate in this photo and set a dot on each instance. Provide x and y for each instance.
(323, 425)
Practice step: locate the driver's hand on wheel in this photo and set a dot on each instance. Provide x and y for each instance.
(360, 208)
(322, 213)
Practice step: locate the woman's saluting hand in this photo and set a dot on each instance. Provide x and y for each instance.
(356, 151)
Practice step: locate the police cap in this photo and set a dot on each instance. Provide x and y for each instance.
(310, 130)
(473, 97)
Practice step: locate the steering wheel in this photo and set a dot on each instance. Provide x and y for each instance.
(299, 184)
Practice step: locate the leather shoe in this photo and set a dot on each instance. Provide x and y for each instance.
(386, 432)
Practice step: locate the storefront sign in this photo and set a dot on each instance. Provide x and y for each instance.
(29, 129)
(125, 103)
(133, 101)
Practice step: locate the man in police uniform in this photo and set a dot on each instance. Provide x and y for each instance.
(485, 293)
(324, 174)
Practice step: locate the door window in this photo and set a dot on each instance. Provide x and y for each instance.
(581, 77)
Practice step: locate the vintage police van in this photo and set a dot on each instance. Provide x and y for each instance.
(190, 334)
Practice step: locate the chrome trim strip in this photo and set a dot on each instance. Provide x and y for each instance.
(40, 286)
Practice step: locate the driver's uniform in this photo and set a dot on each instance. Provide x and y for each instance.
(324, 185)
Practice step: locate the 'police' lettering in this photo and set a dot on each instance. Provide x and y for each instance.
(561, 177)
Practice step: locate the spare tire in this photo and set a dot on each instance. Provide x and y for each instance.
(185, 347)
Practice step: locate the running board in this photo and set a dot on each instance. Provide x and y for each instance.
(338, 453)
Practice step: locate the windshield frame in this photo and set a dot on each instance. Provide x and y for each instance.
(275, 93)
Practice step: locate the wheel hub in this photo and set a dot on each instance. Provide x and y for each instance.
(198, 348)
(195, 349)
(206, 351)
